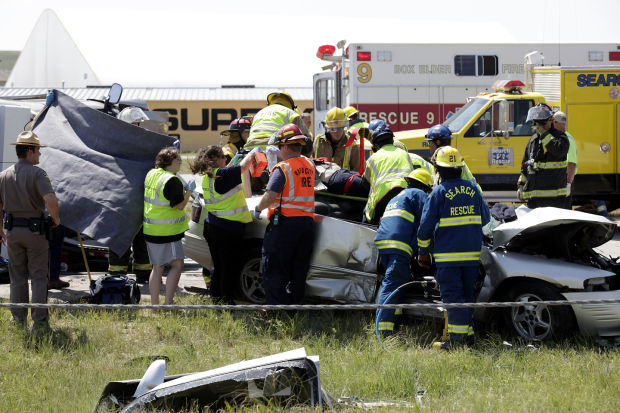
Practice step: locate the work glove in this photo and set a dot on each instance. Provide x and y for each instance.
(568, 185)
(255, 150)
(236, 159)
(424, 261)
(520, 193)
(49, 99)
(256, 215)
(191, 185)
(273, 149)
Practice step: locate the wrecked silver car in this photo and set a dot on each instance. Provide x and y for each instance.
(286, 379)
(343, 266)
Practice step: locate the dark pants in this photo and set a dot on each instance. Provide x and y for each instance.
(56, 241)
(456, 285)
(397, 273)
(224, 246)
(141, 264)
(287, 250)
(558, 202)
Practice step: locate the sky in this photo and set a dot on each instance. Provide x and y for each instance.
(274, 43)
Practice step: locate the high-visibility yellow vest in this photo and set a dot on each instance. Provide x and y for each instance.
(160, 219)
(388, 169)
(268, 121)
(230, 205)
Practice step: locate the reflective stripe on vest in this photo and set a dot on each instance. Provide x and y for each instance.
(456, 256)
(230, 150)
(544, 193)
(401, 213)
(160, 219)
(231, 205)
(268, 121)
(297, 197)
(381, 178)
(391, 243)
(462, 220)
(551, 165)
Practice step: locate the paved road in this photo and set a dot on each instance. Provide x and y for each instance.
(191, 277)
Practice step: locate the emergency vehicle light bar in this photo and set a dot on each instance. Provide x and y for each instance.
(326, 49)
(363, 56)
(508, 86)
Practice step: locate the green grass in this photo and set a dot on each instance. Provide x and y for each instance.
(65, 371)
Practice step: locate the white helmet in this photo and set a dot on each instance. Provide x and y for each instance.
(132, 114)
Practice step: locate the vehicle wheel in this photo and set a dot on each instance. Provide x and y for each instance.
(250, 287)
(538, 323)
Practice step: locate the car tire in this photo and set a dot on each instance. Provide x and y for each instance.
(250, 282)
(545, 324)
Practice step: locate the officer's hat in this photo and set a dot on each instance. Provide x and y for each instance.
(28, 138)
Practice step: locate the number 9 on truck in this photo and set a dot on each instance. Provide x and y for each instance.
(365, 73)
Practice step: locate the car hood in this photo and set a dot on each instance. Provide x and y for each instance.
(554, 225)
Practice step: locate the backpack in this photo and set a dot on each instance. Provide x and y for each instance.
(114, 289)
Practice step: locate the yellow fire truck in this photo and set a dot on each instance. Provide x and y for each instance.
(491, 133)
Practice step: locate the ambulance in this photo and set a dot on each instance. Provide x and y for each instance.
(414, 86)
(491, 134)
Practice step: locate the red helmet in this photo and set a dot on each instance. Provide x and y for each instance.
(288, 135)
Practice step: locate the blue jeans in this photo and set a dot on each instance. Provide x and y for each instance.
(456, 285)
(397, 273)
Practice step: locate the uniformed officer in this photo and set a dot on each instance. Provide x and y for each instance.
(289, 237)
(334, 143)
(453, 218)
(25, 192)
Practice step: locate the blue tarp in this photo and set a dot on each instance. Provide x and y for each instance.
(97, 165)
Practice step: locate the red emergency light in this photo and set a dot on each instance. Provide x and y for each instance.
(614, 56)
(326, 49)
(363, 56)
(508, 86)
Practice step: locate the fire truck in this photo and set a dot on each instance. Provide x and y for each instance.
(414, 86)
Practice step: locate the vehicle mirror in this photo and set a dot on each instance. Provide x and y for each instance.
(504, 118)
(114, 95)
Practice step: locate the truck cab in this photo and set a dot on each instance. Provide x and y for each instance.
(490, 132)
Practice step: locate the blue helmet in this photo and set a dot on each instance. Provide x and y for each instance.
(381, 133)
(377, 123)
(439, 132)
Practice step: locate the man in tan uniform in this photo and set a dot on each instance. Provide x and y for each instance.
(25, 191)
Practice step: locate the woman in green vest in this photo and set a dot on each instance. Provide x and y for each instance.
(165, 223)
(227, 215)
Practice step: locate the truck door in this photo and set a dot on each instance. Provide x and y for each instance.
(327, 94)
(494, 155)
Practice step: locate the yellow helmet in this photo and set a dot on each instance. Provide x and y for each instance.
(281, 98)
(448, 157)
(336, 119)
(421, 175)
(350, 111)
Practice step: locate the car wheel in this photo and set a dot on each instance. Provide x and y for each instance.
(538, 323)
(250, 286)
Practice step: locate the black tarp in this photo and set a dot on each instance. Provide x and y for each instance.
(97, 165)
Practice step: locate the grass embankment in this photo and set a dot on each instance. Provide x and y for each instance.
(67, 370)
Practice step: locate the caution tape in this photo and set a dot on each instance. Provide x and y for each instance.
(308, 307)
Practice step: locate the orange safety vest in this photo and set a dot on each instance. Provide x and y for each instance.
(297, 197)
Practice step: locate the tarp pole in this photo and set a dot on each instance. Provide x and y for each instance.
(79, 236)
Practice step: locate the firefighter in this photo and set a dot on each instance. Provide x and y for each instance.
(334, 145)
(289, 237)
(542, 182)
(452, 219)
(236, 135)
(280, 111)
(385, 170)
(354, 120)
(396, 241)
(559, 122)
(119, 264)
(439, 136)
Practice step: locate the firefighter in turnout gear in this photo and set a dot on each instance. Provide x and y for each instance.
(334, 145)
(396, 241)
(236, 134)
(452, 221)
(289, 237)
(386, 170)
(542, 182)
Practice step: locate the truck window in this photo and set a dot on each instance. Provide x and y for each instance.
(489, 120)
(518, 115)
(463, 115)
(484, 125)
(324, 94)
(476, 65)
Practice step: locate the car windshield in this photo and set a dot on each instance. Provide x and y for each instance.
(460, 119)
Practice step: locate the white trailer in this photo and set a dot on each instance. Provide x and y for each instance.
(413, 86)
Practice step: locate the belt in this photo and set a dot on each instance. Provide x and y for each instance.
(23, 222)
